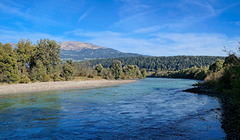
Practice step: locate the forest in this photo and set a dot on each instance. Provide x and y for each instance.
(32, 63)
(170, 63)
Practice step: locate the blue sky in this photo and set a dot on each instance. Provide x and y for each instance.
(150, 27)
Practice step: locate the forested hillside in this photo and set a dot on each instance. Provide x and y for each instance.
(161, 63)
(88, 54)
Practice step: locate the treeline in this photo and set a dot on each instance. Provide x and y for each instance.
(40, 62)
(117, 71)
(189, 73)
(172, 63)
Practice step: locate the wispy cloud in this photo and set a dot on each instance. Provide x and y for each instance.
(145, 16)
(14, 36)
(161, 44)
(85, 14)
(18, 11)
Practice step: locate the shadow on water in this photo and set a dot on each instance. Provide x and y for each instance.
(147, 109)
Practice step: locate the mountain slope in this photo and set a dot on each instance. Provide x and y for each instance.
(84, 51)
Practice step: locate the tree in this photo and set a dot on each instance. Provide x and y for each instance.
(67, 72)
(24, 51)
(39, 73)
(116, 69)
(217, 66)
(99, 69)
(144, 72)
(231, 60)
(8, 64)
(47, 51)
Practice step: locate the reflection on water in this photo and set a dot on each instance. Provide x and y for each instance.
(147, 109)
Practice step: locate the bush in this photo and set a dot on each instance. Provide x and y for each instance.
(46, 78)
(24, 80)
(57, 77)
(67, 72)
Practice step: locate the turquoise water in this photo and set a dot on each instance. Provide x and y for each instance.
(153, 108)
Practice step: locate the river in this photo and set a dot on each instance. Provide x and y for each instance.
(152, 108)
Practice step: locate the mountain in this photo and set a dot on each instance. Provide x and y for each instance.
(14, 45)
(85, 51)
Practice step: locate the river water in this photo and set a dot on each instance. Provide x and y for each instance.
(152, 108)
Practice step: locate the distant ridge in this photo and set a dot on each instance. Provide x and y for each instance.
(80, 51)
(78, 46)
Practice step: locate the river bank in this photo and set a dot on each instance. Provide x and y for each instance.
(231, 111)
(50, 86)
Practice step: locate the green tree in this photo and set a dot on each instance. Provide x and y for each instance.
(144, 72)
(217, 66)
(68, 70)
(99, 69)
(116, 69)
(132, 72)
(8, 64)
(24, 51)
(39, 73)
(47, 51)
(231, 60)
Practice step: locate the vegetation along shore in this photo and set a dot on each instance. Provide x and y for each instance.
(222, 79)
(29, 63)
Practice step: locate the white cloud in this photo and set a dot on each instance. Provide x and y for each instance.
(164, 44)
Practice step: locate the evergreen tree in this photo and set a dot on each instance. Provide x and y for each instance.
(8, 64)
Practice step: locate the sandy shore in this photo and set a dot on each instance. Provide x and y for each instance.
(49, 86)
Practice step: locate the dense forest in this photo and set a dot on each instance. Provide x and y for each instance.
(31, 63)
(172, 63)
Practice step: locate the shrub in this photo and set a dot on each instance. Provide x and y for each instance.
(46, 78)
(57, 77)
(24, 80)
